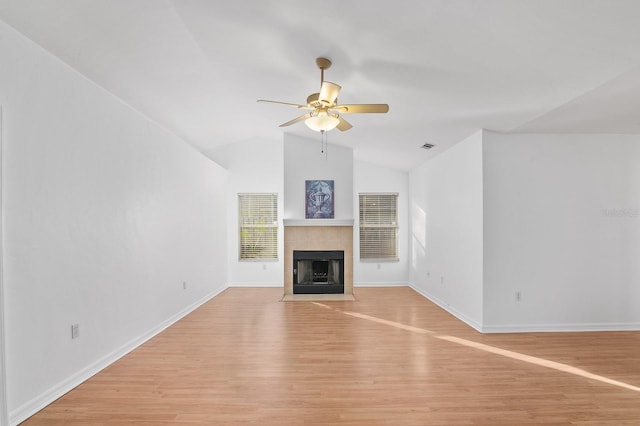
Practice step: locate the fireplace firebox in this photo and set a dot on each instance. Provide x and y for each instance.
(318, 271)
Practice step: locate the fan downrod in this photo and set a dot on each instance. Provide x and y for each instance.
(323, 64)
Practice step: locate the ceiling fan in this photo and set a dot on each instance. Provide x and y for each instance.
(324, 109)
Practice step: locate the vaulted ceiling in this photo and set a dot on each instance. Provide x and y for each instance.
(446, 68)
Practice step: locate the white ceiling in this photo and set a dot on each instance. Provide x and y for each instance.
(446, 68)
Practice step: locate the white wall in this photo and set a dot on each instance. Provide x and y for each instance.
(373, 178)
(4, 415)
(106, 216)
(562, 226)
(303, 160)
(551, 220)
(253, 166)
(259, 166)
(446, 230)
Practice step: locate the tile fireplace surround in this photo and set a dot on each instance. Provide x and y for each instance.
(318, 234)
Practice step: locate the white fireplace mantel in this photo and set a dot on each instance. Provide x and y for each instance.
(317, 222)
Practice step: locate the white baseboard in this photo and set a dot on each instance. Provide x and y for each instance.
(362, 284)
(38, 403)
(381, 284)
(260, 284)
(560, 328)
(462, 317)
(528, 328)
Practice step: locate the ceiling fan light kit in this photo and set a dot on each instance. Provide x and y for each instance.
(323, 122)
(324, 107)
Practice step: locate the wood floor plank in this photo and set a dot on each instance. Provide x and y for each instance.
(390, 358)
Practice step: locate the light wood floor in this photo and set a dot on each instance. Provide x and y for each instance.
(390, 358)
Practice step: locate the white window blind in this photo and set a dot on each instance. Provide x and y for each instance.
(258, 219)
(379, 226)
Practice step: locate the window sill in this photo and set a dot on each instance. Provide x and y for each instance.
(383, 260)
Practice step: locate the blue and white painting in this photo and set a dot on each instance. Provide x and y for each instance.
(319, 199)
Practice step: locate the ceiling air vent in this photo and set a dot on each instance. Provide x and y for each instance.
(428, 146)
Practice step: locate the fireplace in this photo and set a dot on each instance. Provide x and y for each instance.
(317, 235)
(318, 271)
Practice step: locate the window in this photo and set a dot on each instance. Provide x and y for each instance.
(379, 226)
(258, 219)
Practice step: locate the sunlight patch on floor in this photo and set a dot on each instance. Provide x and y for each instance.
(491, 349)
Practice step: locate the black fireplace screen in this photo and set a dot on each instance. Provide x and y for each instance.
(318, 271)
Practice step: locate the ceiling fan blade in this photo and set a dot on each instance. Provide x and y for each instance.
(361, 108)
(287, 104)
(296, 120)
(329, 93)
(343, 124)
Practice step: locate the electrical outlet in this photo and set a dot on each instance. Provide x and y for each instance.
(184, 285)
(518, 296)
(441, 280)
(75, 331)
(379, 266)
(264, 266)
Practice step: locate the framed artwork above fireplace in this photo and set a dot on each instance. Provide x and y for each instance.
(319, 198)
